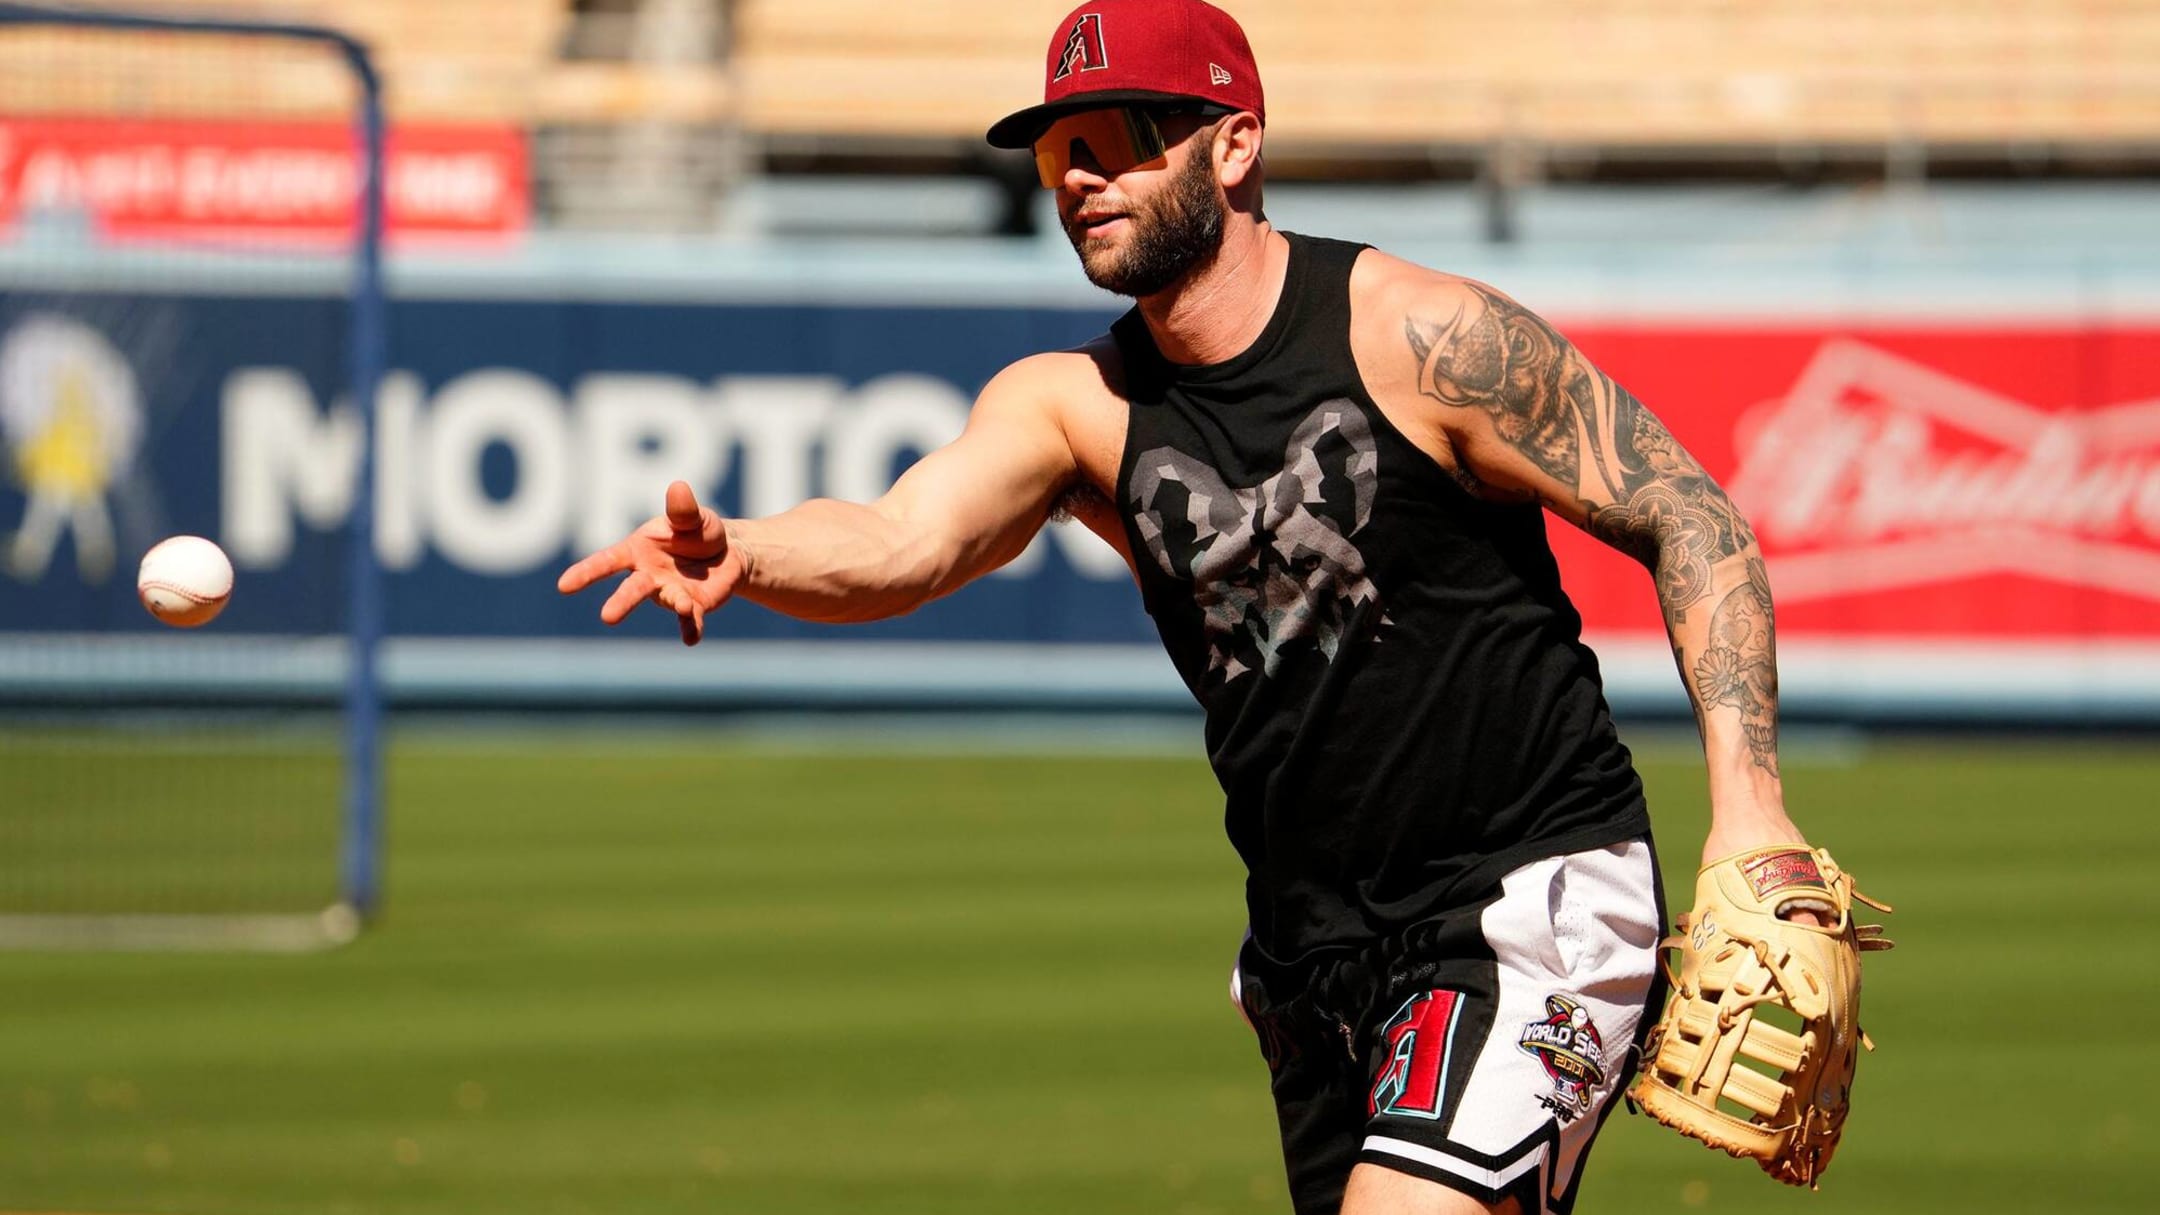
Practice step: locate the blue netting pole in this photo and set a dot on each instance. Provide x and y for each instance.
(360, 865)
(361, 868)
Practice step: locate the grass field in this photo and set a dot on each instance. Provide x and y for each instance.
(652, 979)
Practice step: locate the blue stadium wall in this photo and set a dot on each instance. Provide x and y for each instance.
(538, 401)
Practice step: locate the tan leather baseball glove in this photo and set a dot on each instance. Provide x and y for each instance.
(1756, 1049)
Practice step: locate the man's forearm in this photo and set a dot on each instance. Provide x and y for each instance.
(1715, 597)
(836, 563)
(1726, 648)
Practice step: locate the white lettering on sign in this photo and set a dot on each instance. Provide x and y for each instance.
(1876, 472)
(282, 456)
(302, 178)
(264, 185)
(523, 413)
(586, 467)
(468, 187)
(638, 431)
(887, 419)
(400, 536)
(778, 421)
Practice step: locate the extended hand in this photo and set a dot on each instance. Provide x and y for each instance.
(681, 560)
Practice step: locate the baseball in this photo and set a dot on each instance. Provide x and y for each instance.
(185, 581)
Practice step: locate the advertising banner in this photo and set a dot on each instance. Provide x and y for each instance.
(1980, 482)
(257, 180)
(1994, 487)
(511, 437)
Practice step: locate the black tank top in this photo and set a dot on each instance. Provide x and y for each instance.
(1399, 705)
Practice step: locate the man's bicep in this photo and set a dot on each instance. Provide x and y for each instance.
(1527, 412)
(987, 492)
(1508, 386)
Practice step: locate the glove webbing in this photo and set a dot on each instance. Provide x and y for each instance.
(1700, 1044)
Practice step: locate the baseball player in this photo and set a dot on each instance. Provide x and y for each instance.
(1327, 469)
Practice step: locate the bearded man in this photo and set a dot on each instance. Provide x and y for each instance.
(1326, 468)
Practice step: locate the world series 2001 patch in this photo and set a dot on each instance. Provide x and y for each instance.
(1778, 870)
(1567, 1044)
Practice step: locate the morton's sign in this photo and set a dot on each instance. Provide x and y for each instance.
(1998, 486)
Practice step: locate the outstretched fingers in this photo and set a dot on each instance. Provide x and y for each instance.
(635, 589)
(613, 559)
(689, 613)
(693, 545)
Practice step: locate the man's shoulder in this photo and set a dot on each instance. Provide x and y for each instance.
(1089, 373)
(1389, 283)
(1078, 392)
(1393, 303)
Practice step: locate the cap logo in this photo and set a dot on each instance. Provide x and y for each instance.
(1083, 48)
(1217, 74)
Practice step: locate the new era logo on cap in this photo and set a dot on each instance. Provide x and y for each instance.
(1083, 48)
(1167, 51)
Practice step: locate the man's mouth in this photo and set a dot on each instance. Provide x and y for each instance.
(1096, 225)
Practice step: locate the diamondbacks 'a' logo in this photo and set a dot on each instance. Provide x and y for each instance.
(1274, 563)
(1567, 1044)
(1083, 48)
(1413, 1081)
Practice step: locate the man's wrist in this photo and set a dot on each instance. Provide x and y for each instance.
(742, 544)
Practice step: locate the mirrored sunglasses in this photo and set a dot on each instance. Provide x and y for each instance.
(1115, 139)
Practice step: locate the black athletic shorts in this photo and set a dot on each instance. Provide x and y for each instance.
(1482, 1049)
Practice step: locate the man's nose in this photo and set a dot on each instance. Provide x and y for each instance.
(1084, 181)
(1084, 174)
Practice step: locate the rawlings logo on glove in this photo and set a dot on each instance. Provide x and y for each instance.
(1786, 1094)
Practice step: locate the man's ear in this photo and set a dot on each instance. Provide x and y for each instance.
(1237, 149)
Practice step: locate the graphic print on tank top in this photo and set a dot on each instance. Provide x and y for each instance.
(1274, 563)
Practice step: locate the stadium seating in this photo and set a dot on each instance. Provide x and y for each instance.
(441, 60)
(1599, 72)
(1402, 78)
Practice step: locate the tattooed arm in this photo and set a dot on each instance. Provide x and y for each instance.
(1524, 412)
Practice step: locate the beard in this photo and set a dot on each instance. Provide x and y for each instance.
(1172, 234)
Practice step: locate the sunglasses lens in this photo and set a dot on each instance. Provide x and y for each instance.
(1114, 141)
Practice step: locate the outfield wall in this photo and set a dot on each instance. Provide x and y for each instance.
(1954, 469)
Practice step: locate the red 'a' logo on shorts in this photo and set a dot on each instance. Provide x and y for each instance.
(1083, 48)
(1416, 1040)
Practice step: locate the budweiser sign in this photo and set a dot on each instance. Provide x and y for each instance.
(1954, 482)
(1877, 472)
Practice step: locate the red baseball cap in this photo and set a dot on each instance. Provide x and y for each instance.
(1112, 52)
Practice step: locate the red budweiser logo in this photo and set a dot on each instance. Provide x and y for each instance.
(1876, 472)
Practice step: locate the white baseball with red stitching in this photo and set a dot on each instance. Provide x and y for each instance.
(185, 581)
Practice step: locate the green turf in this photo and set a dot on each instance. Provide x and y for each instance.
(666, 980)
(238, 816)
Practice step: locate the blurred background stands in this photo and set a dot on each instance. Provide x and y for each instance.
(648, 115)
